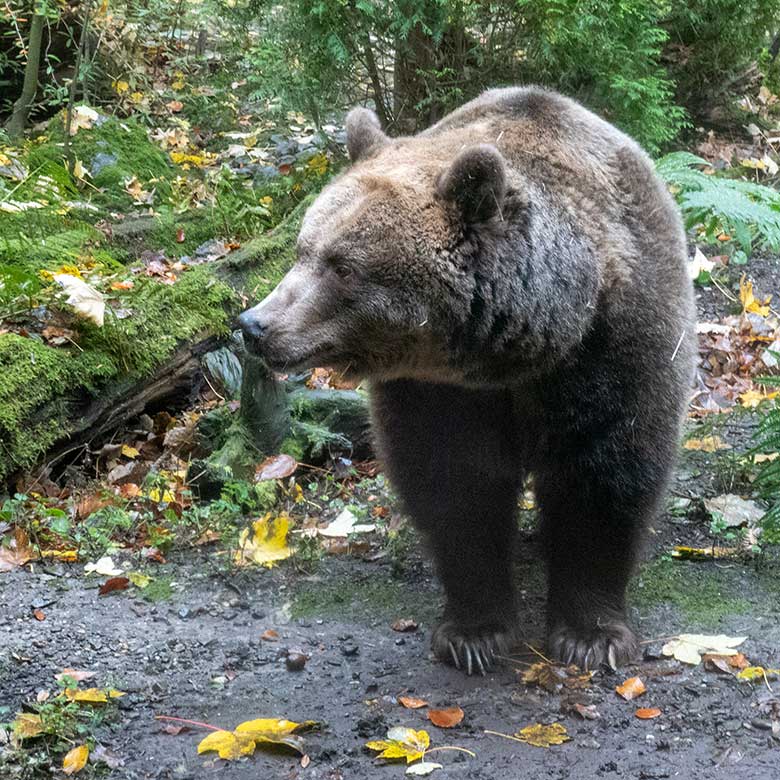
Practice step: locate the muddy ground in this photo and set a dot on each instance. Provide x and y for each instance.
(197, 653)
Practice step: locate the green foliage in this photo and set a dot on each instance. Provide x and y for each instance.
(748, 212)
(713, 41)
(767, 439)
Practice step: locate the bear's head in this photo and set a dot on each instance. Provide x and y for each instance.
(383, 275)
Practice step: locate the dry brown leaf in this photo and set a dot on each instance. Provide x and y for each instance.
(269, 635)
(404, 625)
(631, 688)
(18, 553)
(447, 718)
(411, 702)
(115, 583)
(276, 467)
(647, 713)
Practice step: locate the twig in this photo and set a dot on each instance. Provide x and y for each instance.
(189, 722)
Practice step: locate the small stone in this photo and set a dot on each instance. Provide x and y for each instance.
(350, 649)
(184, 613)
(295, 661)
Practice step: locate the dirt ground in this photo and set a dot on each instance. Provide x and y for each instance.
(198, 654)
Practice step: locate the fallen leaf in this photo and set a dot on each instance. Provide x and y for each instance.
(706, 444)
(91, 695)
(18, 553)
(267, 544)
(631, 688)
(446, 718)
(82, 117)
(87, 301)
(103, 566)
(345, 524)
(586, 711)
(275, 467)
(129, 452)
(269, 635)
(75, 760)
(552, 677)
(138, 579)
(404, 625)
(699, 265)
(246, 736)
(704, 553)
(411, 702)
(753, 398)
(75, 674)
(422, 768)
(748, 299)
(758, 673)
(647, 713)
(543, 736)
(115, 583)
(402, 743)
(27, 725)
(689, 648)
(39, 614)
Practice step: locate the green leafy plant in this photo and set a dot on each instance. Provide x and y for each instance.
(767, 439)
(746, 211)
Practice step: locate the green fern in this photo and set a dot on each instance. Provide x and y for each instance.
(767, 439)
(747, 211)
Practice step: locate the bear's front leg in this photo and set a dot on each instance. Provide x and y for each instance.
(447, 452)
(473, 546)
(591, 520)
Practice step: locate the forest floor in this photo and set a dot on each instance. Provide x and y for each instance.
(219, 645)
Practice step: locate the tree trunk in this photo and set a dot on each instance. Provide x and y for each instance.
(21, 111)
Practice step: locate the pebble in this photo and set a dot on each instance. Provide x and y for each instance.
(295, 661)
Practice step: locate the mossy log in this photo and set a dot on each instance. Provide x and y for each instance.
(56, 400)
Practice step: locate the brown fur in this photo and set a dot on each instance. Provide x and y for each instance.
(512, 281)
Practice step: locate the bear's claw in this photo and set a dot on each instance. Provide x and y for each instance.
(470, 650)
(613, 644)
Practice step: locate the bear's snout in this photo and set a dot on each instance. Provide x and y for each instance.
(254, 327)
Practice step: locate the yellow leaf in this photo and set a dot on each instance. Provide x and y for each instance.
(228, 745)
(758, 673)
(129, 452)
(120, 87)
(748, 300)
(706, 444)
(402, 743)
(267, 544)
(27, 725)
(318, 164)
(79, 171)
(137, 97)
(75, 760)
(752, 398)
(92, 695)
(266, 200)
(543, 736)
(273, 731)
(138, 579)
(161, 496)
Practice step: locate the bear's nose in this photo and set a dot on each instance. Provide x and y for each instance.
(252, 326)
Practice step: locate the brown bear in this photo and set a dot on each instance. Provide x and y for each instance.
(512, 283)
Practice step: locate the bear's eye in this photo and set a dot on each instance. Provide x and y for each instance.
(339, 265)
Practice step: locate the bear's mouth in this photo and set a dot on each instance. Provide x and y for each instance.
(291, 360)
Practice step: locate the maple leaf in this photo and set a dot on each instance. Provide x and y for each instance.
(75, 760)
(267, 544)
(91, 695)
(402, 743)
(227, 745)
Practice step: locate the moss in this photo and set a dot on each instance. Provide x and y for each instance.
(40, 382)
(126, 152)
(370, 597)
(702, 594)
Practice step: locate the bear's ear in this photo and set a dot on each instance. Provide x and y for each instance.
(475, 183)
(364, 133)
